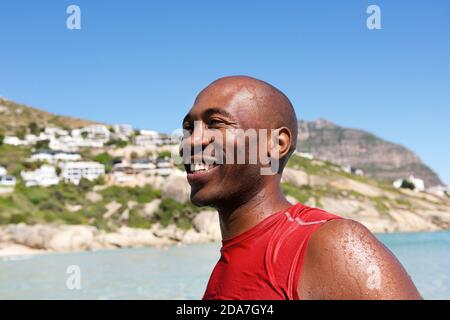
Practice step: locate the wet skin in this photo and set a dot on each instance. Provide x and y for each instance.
(344, 260)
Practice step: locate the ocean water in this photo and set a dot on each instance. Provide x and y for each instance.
(181, 272)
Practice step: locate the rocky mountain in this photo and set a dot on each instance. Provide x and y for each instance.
(15, 118)
(360, 149)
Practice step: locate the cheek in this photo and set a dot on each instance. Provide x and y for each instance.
(236, 151)
(239, 176)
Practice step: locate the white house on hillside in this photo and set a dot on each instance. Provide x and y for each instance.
(72, 144)
(44, 176)
(152, 133)
(73, 172)
(146, 141)
(31, 139)
(14, 141)
(44, 136)
(419, 184)
(123, 129)
(5, 180)
(141, 165)
(55, 131)
(352, 170)
(150, 139)
(96, 132)
(64, 143)
(52, 156)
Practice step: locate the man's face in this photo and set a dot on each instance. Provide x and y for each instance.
(212, 125)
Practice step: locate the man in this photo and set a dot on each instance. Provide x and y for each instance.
(271, 248)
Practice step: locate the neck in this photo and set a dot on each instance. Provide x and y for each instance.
(238, 219)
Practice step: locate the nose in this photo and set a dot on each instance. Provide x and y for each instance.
(200, 137)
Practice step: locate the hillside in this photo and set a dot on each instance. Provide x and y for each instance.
(360, 149)
(15, 118)
(316, 182)
(378, 158)
(376, 204)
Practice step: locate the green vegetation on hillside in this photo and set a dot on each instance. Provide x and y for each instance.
(322, 168)
(13, 157)
(106, 159)
(51, 205)
(173, 212)
(117, 143)
(67, 203)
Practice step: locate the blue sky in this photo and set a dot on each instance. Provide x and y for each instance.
(142, 62)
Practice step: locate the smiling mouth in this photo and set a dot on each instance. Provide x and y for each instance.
(197, 167)
(200, 173)
(203, 164)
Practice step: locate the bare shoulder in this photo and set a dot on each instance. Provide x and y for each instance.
(344, 260)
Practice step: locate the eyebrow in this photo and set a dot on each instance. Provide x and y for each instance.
(209, 112)
(220, 111)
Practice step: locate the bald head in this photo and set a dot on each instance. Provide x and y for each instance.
(264, 106)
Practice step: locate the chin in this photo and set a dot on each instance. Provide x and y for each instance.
(199, 201)
(202, 200)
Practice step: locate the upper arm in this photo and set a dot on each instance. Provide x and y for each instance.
(344, 260)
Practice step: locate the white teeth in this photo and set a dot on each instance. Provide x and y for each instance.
(201, 167)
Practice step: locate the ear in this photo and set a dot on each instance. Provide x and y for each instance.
(280, 143)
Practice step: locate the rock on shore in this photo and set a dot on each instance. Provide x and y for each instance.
(18, 239)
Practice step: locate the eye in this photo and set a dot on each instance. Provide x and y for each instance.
(214, 122)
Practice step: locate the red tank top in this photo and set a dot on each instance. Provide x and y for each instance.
(265, 262)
